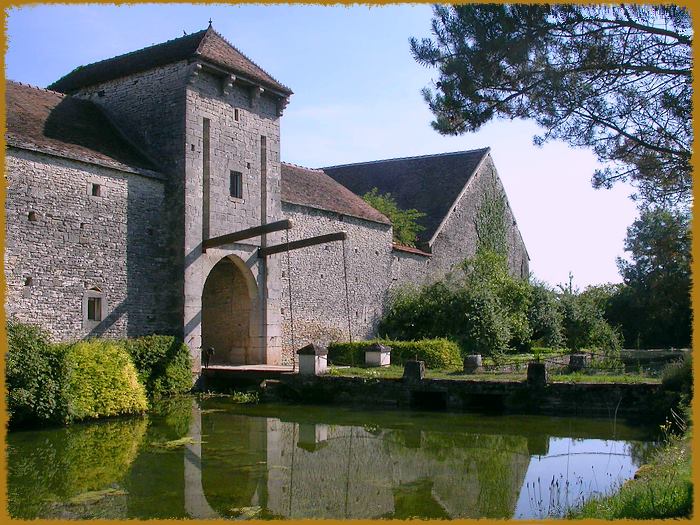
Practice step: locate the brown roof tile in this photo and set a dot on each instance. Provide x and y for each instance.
(57, 124)
(206, 44)
(315, 189)
(429, 183)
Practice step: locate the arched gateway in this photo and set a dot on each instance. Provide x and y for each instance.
(229, 313)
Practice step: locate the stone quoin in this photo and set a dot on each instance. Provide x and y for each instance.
(119, 171)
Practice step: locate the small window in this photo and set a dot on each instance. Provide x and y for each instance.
(95, 190)
(28, 281)
(94, 309)
(32, 216)
(236, 185)
(235, 114)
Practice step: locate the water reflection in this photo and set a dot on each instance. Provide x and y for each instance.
(311, 462)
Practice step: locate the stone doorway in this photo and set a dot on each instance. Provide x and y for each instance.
(229, 307)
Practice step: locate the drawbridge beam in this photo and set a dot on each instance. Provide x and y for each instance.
(303, 243)
(248, 233)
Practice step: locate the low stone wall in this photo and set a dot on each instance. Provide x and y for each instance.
(637, 401)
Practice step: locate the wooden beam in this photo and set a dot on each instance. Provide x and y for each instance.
(303, 243)
(284, 224)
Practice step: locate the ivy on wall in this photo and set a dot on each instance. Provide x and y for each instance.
(490, 221)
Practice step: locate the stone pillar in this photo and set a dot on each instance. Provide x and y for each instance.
(472, 363)
(313, 360)
(413, 370)
(536, 374)
(577, 362)
(378, 355)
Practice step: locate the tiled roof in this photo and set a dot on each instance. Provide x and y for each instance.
(206, 44)
(430, 183)
(315, 189)
(57, 124)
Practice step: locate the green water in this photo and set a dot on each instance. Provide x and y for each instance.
(286, 461)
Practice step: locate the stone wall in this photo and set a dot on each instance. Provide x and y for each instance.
(409, 269)
(77, 242)
(643, 400)
(318, 278)
(148, 107)
(457, 240)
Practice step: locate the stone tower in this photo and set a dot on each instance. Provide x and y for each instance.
(209, 118)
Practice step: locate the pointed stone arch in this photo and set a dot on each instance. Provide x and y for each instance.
(230, 313)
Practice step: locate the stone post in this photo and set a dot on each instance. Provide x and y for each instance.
(413, 370)
(536, 374)
(577, 362)
(472, 363)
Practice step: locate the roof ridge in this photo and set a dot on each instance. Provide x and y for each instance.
(38, 88)
(222, 37)
(431, 155)
(320, 170)
(83, 66)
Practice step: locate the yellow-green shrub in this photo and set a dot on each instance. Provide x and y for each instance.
(163, 364)
(436, 353)
(101, 381)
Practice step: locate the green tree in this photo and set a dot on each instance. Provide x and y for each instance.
(653, 306)
(585, 325)
(616, 79)
(404, 223)
(545, 316)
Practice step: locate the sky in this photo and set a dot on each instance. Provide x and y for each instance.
(356, 98)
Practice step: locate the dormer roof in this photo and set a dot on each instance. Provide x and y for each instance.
(206, 45)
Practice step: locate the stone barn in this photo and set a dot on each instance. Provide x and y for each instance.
(146, 194)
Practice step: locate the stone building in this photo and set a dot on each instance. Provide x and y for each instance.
(125, 176)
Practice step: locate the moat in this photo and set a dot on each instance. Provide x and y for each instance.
(212, 458)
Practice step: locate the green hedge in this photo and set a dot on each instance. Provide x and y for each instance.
(33, 374)
(163, 363)
(437, 353)
(57, 383)
(101, 381)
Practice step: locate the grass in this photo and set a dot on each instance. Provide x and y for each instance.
(395, 371)
(662, 489)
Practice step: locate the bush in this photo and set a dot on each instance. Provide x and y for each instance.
(678, 376)
(483, 309)
(163, 364)
(33, 375)
(436, 353)
(101, 381)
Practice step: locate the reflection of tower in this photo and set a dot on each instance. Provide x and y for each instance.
(196, 504)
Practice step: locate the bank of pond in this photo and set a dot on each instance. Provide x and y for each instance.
(213, 457)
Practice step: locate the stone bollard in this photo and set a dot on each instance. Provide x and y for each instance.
(313, 360)
(378, 355)
(577, 362)
(413, 370)
(536, 374)
(472, 363)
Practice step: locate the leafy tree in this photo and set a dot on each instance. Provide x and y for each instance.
(585, 325)
(404, 223)
(545, 316)
(653, 306)
(616, 79)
